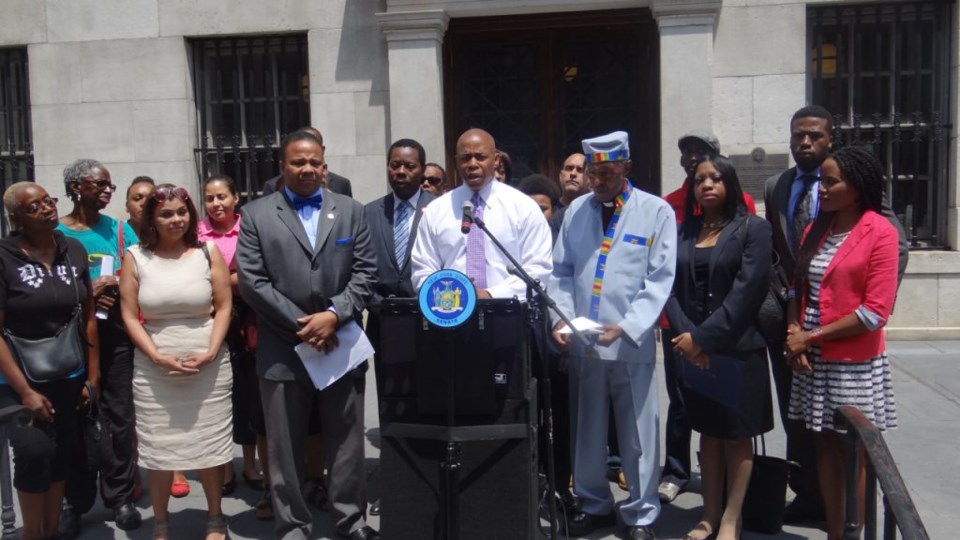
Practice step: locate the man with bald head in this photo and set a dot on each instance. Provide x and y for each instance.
(509, 214)
(572, 183)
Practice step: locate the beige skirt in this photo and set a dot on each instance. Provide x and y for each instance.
(184, 422)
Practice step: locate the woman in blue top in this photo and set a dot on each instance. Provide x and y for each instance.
(43, 277)
(89, 186)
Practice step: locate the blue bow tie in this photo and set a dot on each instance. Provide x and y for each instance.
(315, 201)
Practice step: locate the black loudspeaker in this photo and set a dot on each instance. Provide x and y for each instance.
(497, 488)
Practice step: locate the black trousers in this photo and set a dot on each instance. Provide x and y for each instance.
(800, 445)
(116, 386)
(676, 464)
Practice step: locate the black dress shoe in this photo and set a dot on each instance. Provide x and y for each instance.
(641, 532)
(803, 511)
(363, 533)
(582, 523)
(69, 523)
(375, 508)
(127, 517)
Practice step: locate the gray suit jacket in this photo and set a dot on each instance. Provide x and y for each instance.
(335, 183)
(776, 198)
(282, 278)
(394, 275)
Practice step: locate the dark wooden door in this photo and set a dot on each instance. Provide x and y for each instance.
(540, 84)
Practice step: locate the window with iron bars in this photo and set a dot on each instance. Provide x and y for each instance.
(884, 71)
(16, 141)
(250, 92)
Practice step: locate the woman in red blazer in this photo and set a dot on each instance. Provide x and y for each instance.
(846, 283)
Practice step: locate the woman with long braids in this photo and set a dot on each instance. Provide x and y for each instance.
(844, 290)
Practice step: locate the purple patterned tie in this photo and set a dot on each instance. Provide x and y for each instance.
(476, 261)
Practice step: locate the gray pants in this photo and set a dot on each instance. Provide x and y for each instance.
(286, 409)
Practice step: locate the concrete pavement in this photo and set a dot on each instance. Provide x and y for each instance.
(926, 384)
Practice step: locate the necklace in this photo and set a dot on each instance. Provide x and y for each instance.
(715, 224)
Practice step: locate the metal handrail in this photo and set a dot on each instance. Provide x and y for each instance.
(899, 510)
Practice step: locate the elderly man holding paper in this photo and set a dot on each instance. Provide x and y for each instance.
(307, 267)
(614, 263)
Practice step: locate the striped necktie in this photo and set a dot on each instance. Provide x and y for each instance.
(401, 232)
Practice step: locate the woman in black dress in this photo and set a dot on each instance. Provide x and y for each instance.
(723, 270)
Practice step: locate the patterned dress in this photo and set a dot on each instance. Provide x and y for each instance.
(815, 396)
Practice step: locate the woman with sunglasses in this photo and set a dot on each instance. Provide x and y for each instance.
(182, 377)
(89, 186)
(845, 287)
(43, 278)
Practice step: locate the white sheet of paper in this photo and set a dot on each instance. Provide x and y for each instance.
(584, 325)
(326, 368)
(106, 266)
(106, 269)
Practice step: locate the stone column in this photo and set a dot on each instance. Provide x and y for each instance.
(415, 55)
(686, 76)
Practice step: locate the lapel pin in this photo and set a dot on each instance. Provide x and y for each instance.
(330, 215)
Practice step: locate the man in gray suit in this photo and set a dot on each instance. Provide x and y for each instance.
(307, 267)
(335, 182)
(790, 201)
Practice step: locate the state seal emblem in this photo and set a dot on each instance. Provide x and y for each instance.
(447, 298)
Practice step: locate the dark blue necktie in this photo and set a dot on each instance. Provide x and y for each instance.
(315, 201)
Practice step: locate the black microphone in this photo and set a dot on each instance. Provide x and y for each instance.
(467, 219)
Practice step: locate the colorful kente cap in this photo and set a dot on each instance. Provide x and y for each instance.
(610, 147)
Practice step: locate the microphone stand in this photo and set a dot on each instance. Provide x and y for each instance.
(539, 297)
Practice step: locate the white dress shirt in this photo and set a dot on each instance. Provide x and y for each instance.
(511, 216)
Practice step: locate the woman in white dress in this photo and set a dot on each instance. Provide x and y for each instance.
(176, 306)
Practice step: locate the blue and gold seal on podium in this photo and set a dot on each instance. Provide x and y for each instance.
(447, 298)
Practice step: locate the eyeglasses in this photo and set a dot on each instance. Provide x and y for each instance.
(102, 184)
(40, 205)
(166, 193)
(433, 180)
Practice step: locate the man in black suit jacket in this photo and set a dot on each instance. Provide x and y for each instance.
(307, 267)
(810, 142)
(405, 165)
(335, 182)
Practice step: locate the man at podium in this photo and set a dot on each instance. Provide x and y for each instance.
(618, 276)
(513, 218)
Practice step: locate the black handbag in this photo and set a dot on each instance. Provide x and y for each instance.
(97, 438)
(767, 491)
(52, 358)
(771, 317)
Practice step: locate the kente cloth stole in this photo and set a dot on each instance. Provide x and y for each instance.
(619, 202)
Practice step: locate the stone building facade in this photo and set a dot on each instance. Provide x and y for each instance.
(118, 81)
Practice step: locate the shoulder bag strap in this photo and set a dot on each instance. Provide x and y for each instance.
(206, 253)
(121, 245)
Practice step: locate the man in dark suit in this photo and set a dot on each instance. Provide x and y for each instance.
(791, 202)
(393, 221)
(335, 182)
(307, 267)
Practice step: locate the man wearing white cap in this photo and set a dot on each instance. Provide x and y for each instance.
(614, 263)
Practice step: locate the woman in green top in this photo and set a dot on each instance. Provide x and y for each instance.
(89, 186)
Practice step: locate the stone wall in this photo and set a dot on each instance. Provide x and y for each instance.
(110, 80)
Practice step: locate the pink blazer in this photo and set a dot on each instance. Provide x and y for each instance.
(863, 271)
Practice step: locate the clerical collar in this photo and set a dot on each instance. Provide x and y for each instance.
(608, 204)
